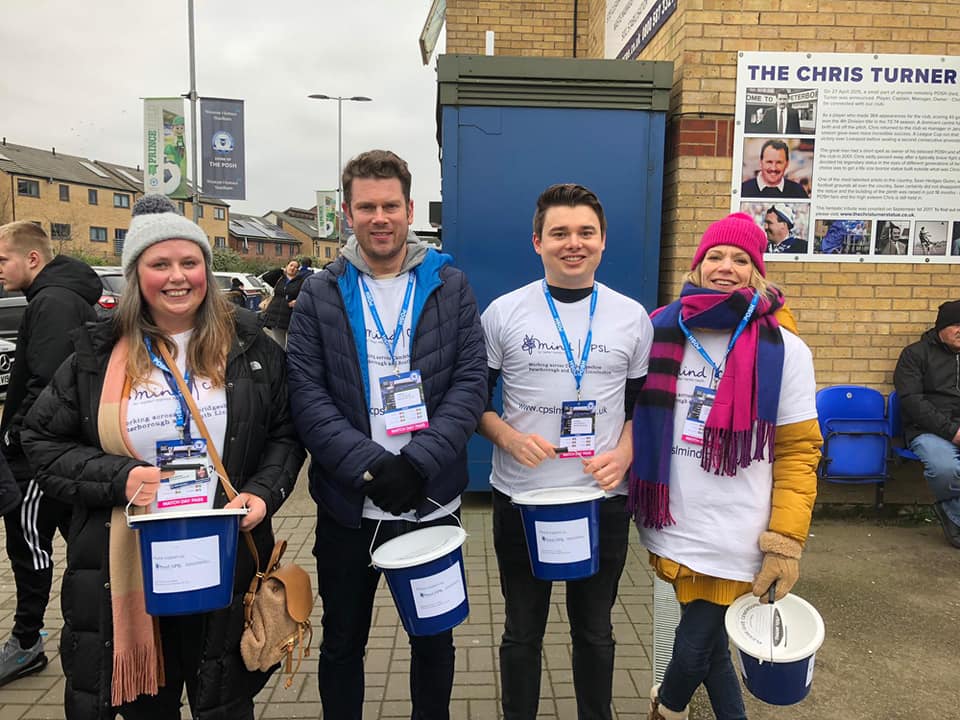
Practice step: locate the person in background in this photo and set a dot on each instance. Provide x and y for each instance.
(61, 293)
(927, 379)
(726, 446)
(235, 294)
(94, 436)
(276, 318)
(526, 351)
(390, 310)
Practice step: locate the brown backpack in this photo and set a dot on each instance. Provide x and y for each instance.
(277, 613)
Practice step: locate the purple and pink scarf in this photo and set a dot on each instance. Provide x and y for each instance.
(741, 425)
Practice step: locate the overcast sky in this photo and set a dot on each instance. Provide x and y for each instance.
(75, 73)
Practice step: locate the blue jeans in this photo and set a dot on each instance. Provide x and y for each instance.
(701, 654)
(347, 587)
(941, 468)
(527, 603)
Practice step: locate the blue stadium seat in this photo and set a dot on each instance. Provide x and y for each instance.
(897, 445)
(856, 436)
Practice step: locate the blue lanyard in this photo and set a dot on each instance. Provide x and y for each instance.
(391, 347)
(733, 338)
(182, 416)
(578, 371)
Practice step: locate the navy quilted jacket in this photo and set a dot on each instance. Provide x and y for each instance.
(329, 385)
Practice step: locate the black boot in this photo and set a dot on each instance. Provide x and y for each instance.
(950, 529)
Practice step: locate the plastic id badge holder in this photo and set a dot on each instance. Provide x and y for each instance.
(404, 409)
(193, 477)
(696, 420)
(578, 429)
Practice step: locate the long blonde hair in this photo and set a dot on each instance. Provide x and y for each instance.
(213, 332)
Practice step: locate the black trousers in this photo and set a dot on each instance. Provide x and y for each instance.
(30, 530)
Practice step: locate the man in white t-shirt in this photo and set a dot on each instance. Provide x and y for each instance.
(591, 370)
(387, 383)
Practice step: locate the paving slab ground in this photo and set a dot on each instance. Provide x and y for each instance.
(888, 591)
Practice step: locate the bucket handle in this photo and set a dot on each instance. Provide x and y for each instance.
(126, 510)
(373, 540)
(771, 599)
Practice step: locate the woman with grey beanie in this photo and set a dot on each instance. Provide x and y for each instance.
(95, 435)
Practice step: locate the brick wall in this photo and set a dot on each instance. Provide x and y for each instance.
(856, 319)
(521, 27)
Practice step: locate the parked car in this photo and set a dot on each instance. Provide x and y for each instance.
(254, 291)
(7, 350)
(113, 285)
(12, 306)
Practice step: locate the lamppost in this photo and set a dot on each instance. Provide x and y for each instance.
(355, 98)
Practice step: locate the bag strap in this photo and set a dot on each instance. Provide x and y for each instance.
(228, 487)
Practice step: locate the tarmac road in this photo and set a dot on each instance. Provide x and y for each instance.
(890, 600)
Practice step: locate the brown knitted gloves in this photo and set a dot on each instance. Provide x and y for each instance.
(781, 564)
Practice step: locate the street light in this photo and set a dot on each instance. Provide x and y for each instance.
(355, 98)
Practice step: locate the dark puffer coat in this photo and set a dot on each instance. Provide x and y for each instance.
(277, 314)
(330, 384)
(927, 379)
(262, 456)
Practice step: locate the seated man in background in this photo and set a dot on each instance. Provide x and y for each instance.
(927, 379)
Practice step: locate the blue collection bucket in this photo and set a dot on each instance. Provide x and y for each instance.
(424, 570)
(562, 528)
(188, 559)
(777, 644)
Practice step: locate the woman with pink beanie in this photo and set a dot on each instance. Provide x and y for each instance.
(726, 445)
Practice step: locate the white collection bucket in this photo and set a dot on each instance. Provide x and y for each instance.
(777, 645)
(188, 559)
(562, 528)
(424, 570)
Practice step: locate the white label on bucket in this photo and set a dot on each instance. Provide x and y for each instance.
(185, 565)
(565, 541)
(810, 670)
(438, 594)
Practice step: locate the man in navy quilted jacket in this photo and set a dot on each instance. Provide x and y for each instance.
(388, 379)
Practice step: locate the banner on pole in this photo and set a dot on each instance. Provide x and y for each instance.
(327, 213)
(164, 147)
(221, 133)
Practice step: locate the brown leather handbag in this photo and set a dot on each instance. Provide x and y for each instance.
(278, 604)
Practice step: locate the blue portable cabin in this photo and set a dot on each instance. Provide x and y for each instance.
(511, 126)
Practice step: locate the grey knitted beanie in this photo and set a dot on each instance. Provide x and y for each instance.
(155, 219)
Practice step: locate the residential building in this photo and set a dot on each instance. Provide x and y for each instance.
(84, 204)
(302, 224)
(260, 239)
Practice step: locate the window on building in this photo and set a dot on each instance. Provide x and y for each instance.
(30, 188)
(59, 231)
(92, 197)
(65, 193)
(293, 250)
(245, 247)
(182, 207)
(219, 213)
(259, 248)
(326, 252)
(220, 242)
(98, 234)
(278, 248)
(121, 200)
(119, 235)
(200, 212)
